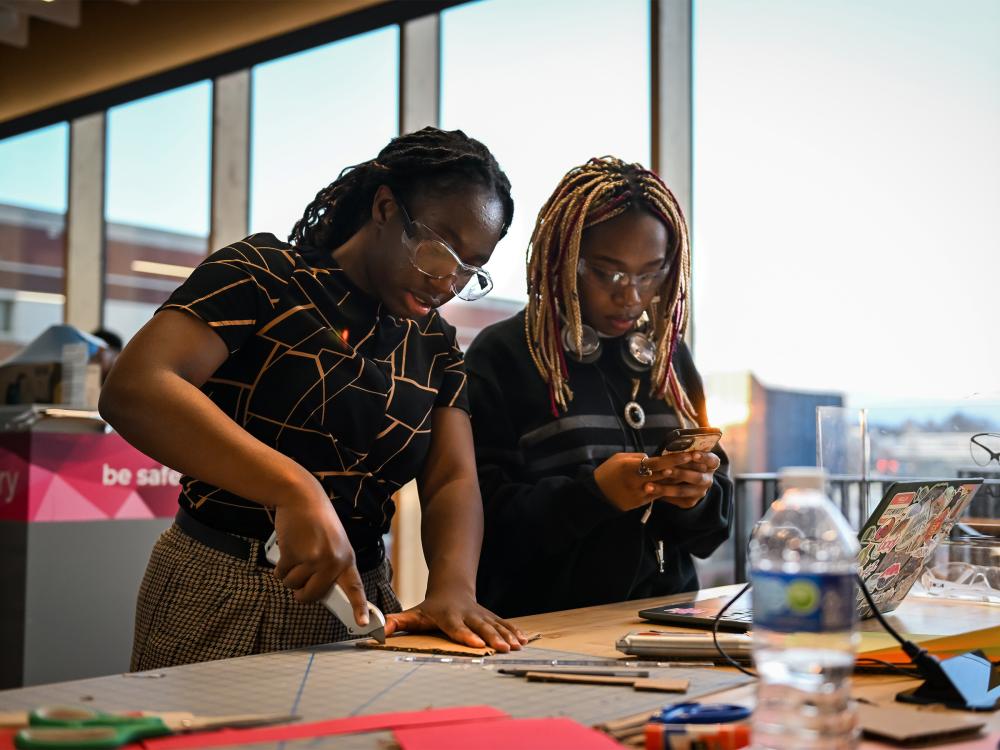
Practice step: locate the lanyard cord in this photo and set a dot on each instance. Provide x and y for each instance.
(636, 442)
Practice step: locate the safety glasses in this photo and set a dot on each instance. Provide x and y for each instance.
(616, 281)
(433, 257)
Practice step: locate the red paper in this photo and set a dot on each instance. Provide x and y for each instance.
(349, 725)
(524, 734)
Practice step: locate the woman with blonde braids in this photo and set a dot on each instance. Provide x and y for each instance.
(571, 394)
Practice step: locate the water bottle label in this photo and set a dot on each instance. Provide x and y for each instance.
(803, 602)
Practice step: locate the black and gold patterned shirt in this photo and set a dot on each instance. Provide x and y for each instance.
(318, 371)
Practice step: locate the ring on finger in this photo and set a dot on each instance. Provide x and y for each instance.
(644, 470)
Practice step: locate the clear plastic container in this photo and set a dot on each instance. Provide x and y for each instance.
(966, 567)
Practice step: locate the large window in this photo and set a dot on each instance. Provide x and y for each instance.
(315, 113)
(33, 174)
(157, 200)
(546, 86)
(846, 184)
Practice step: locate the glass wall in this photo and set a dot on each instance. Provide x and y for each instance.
(545, 86)
(846, 179)
(157, 200)
(33, 192)
(315, 113)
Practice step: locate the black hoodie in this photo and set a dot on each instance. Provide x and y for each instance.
(553, 541)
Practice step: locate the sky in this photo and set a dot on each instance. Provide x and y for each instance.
(315, 113)
(159, 161)
(846, 184)
(33, 168)
(546, 86)
(846, 166)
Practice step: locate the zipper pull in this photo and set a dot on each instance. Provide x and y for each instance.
(659, 554)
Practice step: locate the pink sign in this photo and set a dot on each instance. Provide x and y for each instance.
(49, 476)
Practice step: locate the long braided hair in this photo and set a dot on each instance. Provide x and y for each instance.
(428, 159)
(599, 191)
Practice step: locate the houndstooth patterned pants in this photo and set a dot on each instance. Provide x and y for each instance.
(198, 604)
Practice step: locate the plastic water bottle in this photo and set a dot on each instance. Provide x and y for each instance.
(803, 559)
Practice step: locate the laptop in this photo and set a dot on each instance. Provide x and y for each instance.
(899, 536)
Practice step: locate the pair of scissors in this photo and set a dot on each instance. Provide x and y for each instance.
(701, 713)
(59, 728)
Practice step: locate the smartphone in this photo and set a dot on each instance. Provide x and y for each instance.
(702, 439)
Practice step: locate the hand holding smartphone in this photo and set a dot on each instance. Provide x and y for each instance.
(689, 480)
(689, 440)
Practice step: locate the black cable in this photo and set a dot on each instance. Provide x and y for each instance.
(715, 633)
(865, 660)
(926, 665)
(912, 650)
(920, 657)
(939, 686)
(878, 615)
(718, 617)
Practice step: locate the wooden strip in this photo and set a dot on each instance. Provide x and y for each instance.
(627, 722)
(639, 683)
(662, 685)
(522, 671)
(580, 679)
(426, 644)
(429, 643)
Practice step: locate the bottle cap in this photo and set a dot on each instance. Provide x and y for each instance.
(802, 478)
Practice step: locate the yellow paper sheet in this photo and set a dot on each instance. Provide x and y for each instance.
(986, 640)
(879, 640)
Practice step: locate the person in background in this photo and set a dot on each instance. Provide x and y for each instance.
(109, 354)
(577, 511)
(297, 386)
(15, 389)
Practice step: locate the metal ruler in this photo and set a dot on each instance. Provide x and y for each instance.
(487, 661)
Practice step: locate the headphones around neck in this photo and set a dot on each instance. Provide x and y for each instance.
(637, 349)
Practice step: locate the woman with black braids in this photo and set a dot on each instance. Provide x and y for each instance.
(576, 511)
(298, 386)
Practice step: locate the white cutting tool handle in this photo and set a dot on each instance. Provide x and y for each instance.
(337, 602)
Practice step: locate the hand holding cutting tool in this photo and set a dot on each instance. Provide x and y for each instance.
(337, 602)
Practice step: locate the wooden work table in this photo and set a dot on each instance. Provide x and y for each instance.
(338, 680)
(594, 630)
